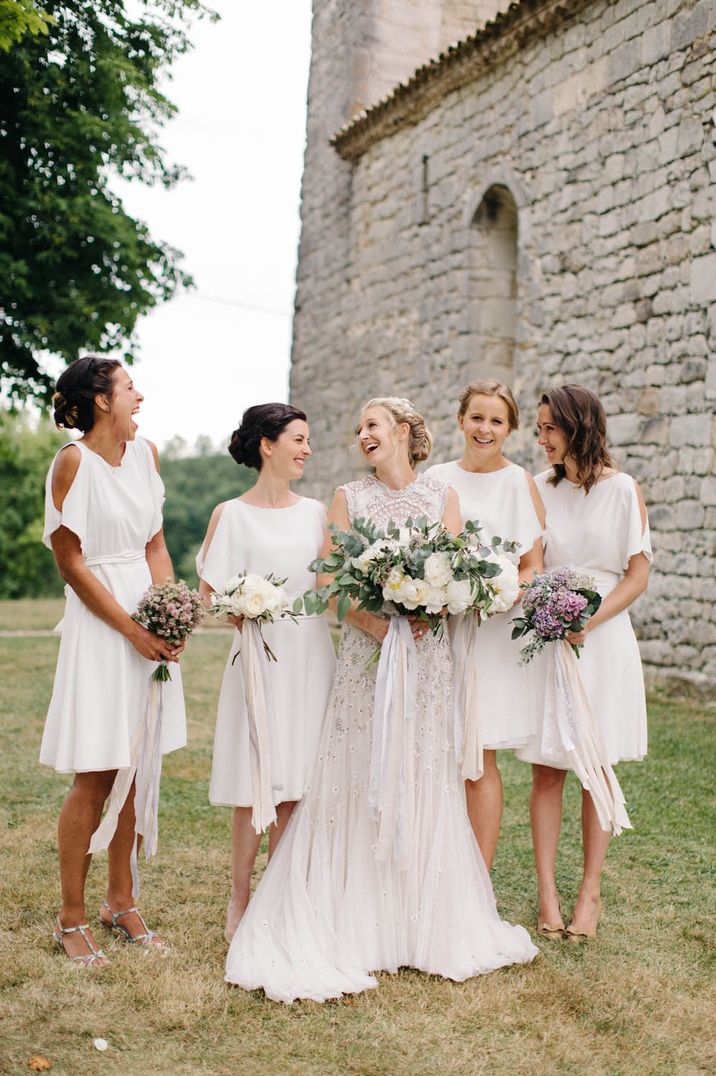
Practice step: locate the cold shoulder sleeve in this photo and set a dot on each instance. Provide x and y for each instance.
(156, 486)
(75, 509)
(637, 537)
(216, 561)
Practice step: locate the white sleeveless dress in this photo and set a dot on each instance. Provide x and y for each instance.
(327, 912)
(102, 682)
(597, 534)
(502, 503)
(283, 541)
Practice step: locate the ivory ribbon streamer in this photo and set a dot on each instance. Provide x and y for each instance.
(146, 766)
(468, 742)
(570, 728)
(391, 788)
(264, 757)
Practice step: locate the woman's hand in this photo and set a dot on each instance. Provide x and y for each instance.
(151, 646)
(237, 621)
(578, 638)
(375, 626)
(419, 628)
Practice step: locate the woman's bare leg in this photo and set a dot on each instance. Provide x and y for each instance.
(276, 831)
(80, 815)
(244, 846)
(596, 844)
(484, 807)
(546, 816)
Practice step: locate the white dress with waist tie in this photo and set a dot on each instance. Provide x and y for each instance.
(101, 682)
(597, 534)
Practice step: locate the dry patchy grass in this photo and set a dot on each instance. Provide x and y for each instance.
(638, 1000)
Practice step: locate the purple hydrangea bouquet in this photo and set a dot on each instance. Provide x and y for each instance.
(554, 603)
(172, 611)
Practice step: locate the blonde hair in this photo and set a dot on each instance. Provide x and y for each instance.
(490, 387)
(420, 440)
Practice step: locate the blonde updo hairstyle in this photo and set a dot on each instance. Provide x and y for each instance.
(490, 387)
(420, 440)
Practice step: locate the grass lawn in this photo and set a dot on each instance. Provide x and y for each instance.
(638, 1000)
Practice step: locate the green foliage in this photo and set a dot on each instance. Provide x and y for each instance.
(27, 568)
(80, 104)
(195, 485)
(18, 18)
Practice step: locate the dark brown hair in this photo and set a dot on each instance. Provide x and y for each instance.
(77, 387)
(578, 413)
(491, 387)
(262, 420)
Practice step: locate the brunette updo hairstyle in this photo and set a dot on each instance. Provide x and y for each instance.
(262, 420)
(490, 387)
(76, 388)
(578, 413)
(420, 441)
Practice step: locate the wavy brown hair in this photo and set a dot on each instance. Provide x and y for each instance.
(578, 413)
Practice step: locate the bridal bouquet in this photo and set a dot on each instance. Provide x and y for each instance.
(553, 604)
(171, 611)
(258, 598)
(418, 570)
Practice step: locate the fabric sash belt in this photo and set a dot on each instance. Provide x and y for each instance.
(128, 557)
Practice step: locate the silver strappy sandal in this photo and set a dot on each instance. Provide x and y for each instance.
(149, 938)
(88, 960)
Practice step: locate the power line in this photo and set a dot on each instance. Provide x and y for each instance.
(238, 303)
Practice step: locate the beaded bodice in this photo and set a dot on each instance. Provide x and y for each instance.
(368, 498)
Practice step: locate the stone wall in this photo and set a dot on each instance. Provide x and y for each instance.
(603, 134)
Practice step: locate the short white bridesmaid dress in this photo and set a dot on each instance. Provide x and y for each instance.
(283, 541)
(597, 534)
(502, 502)
(102, 683)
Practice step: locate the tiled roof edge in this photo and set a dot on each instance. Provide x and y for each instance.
(459, 65)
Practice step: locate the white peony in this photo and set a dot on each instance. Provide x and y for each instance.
(459, 595)
(393, 584)
(506, 585)
(437, 569)
(254, 605)
(436, 599)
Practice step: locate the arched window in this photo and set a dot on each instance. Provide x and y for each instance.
(493, 285)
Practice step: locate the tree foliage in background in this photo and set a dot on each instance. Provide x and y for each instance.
(79, 104)
(18, 18)
(27, 567)
(195, 485)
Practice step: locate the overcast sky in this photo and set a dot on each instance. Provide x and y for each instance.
(240, 131)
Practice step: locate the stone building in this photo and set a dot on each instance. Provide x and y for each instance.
(538, 202)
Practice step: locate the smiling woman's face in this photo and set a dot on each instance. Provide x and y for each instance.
(123, 404)
(379, 435)
(485, 425)
(552, 439)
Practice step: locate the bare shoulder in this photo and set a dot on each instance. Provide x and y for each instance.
(64, 472)
(640, 499)
(536, 497)
(155, 453)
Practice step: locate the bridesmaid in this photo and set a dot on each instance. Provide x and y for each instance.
(504, 498)
(268, 529)
(103, 522)
(596, 523)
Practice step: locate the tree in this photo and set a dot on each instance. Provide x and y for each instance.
(18, 18)
(27, 567)
(79, 105)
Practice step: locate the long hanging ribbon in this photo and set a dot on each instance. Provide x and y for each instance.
(468, 741)
(264, 757)
(146, 767)
(391, 788)
(569, 727)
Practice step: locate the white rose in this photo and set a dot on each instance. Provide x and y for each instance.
(254, 605)
(506, 585)
(459, 595)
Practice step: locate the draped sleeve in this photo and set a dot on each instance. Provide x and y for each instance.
(75, 510)
(637, 537)
(156, 487)
(216, 561)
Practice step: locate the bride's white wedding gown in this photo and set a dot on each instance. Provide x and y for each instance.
(327, 912)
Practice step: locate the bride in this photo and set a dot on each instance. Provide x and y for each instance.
(332, 906)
